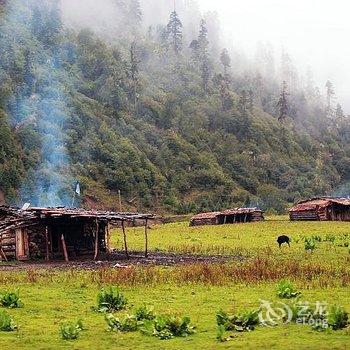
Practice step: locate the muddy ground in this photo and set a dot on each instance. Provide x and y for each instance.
(119, 260)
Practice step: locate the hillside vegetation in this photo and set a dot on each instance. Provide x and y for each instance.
(161, 116)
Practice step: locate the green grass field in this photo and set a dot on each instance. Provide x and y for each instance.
(199, 291)
(253, 239)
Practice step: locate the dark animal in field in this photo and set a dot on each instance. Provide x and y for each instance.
(283, 239)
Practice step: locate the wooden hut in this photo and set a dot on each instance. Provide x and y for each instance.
(229, 216)
(321, 209)
(59, 233)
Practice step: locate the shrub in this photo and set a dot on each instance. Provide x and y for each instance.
(6, 322)
(129, 324)
(310, 244)
(316, 238)
(167, 327)
(245, 321)
(144, 313)
(109, 300)
(337, 318)
(10, 300)
(71, 330)
(286, 290)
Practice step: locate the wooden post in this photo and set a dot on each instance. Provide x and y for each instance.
(108, 238)
(96, 240)
(2, 253)
(120, 201)
(64, 248)
(47, 257)
(125, 242)
(146, 238)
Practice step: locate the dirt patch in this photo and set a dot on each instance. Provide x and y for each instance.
(119, 260)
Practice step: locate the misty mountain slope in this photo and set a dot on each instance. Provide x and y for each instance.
(171, 131)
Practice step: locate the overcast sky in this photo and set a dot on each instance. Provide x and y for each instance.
(315, 32)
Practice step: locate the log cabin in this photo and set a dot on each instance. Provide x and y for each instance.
(321, 209)
(229, 216)
(60, 233)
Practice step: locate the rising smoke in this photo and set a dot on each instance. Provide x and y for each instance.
(40, 104)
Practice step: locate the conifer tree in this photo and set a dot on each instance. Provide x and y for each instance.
(135, 13)
(174, 31)
(203, 56)
(203, 37)
(339, 113)
(330, 97)
(134, 72)
(282, 103)
(225, 60)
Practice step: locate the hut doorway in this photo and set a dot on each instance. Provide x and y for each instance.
(77, 239)
(22, 246)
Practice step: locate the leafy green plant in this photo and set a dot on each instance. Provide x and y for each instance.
(71, 330)
(243, 322)
(220, 335)
(109, 300)
(167, 327)
(128, 324)
(337, 318)
(7, 323)
(286, 290)
(10, 300)
(310, 244)
(144, 313)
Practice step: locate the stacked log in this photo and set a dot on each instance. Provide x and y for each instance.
(8, 244)
(308, 215)
(257, 216)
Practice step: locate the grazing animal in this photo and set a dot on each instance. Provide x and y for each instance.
(283, 239)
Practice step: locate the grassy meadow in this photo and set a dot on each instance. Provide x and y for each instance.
(247, 240)
(52, 297)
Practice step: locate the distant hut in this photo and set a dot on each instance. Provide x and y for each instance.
(211, 218)
(321, 209)
(229, 216)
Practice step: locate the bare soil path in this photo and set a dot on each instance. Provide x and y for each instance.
(119, 260)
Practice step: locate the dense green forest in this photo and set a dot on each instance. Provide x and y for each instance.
(165, 117)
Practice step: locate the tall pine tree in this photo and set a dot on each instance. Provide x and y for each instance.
(330, 98)
(282, 103)
(174, 31)
(203, 55)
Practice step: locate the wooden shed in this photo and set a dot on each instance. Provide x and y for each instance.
(229, 216)
(58, 233)
(321, 209)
